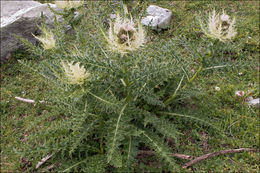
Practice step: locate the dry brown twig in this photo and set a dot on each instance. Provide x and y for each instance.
(43, 160)
(206, 156)
(203, 157)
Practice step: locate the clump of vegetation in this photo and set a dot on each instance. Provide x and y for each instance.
(124, 105)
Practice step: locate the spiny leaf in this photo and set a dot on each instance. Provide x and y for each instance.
(164, 126)
(189, 117)
(162, 150)
(114, 155)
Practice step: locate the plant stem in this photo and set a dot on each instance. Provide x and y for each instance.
(193, 77)
(170, 99)
(101, 145)
(175, 92)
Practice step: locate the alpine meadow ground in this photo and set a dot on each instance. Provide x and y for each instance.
(115, 96)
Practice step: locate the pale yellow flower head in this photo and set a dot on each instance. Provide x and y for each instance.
(220, 27)
(47, 39)
(66, 4)
(124, 35)
(74, 73)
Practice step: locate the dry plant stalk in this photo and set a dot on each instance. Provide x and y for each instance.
(204, 157)
(43, 161)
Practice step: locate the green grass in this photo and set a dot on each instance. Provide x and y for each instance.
(238, 124)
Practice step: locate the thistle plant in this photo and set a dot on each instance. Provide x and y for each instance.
(124, 34)
(124, 108)
(219, 26)
(47, 38)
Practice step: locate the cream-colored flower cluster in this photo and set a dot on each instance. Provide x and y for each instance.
(125, 35)
(66, 4)
(47, 39)
(220, 27)
(75, 74)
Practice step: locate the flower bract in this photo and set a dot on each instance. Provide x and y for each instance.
(47, 39)
(74, 73)
(68, 4)
(219, 27)
(125, 35)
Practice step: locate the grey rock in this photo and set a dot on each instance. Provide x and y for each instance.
(254, 102)
(157, 18)
(249, 98)
(21, 18)
(76, 15)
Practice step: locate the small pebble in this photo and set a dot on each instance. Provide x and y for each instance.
(76, 15)
(254, 102)
(249, 98)
(112, 16)
(240, 93)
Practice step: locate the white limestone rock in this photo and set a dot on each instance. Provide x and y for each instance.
(157, 18)
(21, 18)
(253, 102)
